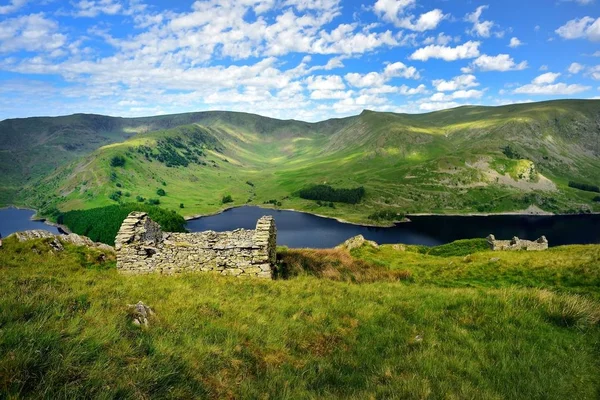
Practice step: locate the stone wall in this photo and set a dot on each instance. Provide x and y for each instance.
(517, 244)
(143, 248)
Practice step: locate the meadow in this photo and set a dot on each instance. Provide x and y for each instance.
(394, 322)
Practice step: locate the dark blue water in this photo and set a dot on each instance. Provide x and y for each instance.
(15, 220)
(295, 229)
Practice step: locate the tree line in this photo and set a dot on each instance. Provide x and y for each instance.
(328, 193)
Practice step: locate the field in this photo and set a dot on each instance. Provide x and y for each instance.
(465, 160)
(394, 322)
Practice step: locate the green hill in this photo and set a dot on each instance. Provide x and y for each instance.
(525, 326)
(468, 159)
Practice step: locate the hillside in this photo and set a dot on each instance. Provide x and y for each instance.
(523, 326)
(468, 159)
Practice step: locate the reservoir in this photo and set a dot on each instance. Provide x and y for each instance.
(296, 229)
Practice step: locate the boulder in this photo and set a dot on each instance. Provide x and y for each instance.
(140, 313)
(356, 242)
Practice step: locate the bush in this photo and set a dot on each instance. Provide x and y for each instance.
(511, 153)
(154, 202)
(249, 183)
(181, 205)
(117, 161)
(161, 192)
(102, 224)
(274, 202)
(597, 199)
(140, 199)
(584, 186)
(328, 193)
(227, 199)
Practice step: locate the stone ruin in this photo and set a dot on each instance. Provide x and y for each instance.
(143, 248)
(517, 244)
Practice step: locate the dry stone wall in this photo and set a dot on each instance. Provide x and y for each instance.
(517, 244)
(143, 248)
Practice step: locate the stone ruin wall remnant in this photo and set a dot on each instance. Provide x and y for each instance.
(143, 248)
(517, 244)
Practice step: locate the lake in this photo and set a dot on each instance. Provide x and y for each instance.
(295, 229)
(15, 220)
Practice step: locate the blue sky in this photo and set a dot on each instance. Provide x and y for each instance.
(302, 59)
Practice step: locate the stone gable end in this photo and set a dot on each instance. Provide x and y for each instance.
(143, 248)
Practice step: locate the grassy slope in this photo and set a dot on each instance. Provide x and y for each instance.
(445, 161)
(64, 332)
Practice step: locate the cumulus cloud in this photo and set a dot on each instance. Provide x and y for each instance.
(515, 42)
(32, 32)
(583, 28)
(397, 12)
(394, 70)
(575, 68)
(469, 49)
(12, 6)
(458, 82)
(545, 85)
(436, 106)
(501, 62)
(459, 94)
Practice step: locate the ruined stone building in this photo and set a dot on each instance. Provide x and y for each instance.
(517, 244)
(143, 248)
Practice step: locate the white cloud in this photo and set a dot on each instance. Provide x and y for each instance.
(515, 42)
(12, 6)
(458, 82)
(396, 12)
(480, 28)
(544, 85)
(469, 49)
(594, 72)
(408, 91)
(585, 27)
(32, 32)
(575, 68)
(545, 79)
(501, 62)
(327, 82)
(395, 70)
(441, 39)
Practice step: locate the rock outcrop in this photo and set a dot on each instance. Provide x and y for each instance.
(58, 240)
(143, 248)
(517, 244)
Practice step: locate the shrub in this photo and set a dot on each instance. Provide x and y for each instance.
(328, 193)
(116, 196)
(140, 199)
(180, 205)
(154, 202)
(511, 153)
(227, 199)
(117, 161)
(584, 186)
(597, 199)
(249, 183)
(161, 192)
(102, 224)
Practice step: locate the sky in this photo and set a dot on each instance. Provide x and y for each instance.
(302, 59)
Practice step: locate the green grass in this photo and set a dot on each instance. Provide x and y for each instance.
(65, 333)
(443, 162)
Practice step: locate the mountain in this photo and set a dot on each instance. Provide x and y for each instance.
(467, 159)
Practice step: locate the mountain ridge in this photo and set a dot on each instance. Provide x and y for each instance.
(468, 159)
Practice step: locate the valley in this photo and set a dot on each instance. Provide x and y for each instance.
(463, 160)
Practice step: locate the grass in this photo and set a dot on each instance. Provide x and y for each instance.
(406, 163)
(65, 332)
